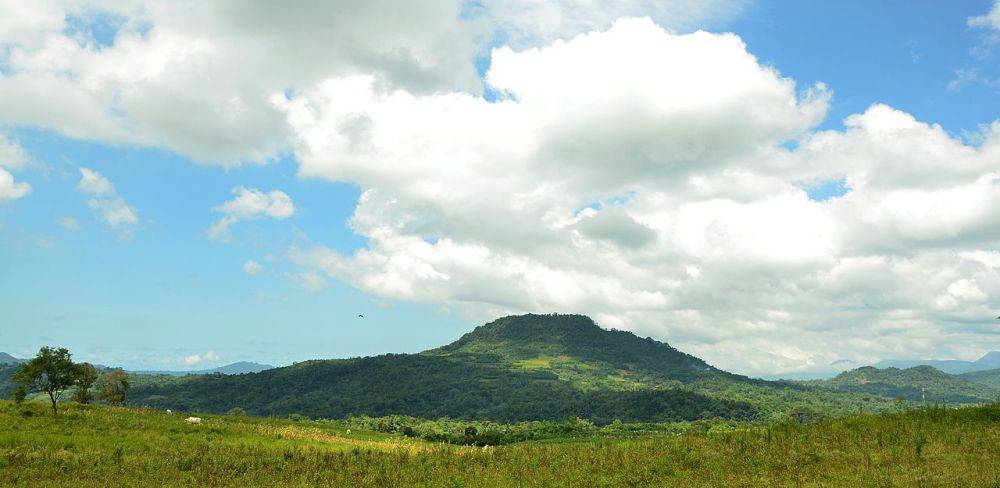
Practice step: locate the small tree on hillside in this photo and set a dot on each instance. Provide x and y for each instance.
(88, 375)
(19, 394)
(113, 387)
(51, 371)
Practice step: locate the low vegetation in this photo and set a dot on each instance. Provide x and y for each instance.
(88, 445)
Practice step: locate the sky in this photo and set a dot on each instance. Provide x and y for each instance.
(772, 186)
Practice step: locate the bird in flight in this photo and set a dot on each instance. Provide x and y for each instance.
(361, 315)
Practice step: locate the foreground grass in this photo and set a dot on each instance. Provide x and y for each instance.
(97, 446)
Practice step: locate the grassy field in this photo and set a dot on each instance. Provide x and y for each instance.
(101, 446)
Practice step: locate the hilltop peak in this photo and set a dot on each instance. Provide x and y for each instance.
(535, 328)
(990, 360)
(569, 344)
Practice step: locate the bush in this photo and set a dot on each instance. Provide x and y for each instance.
(239, 412)
(19, 394)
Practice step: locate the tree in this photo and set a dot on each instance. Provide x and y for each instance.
(51, 371)
(113, 387)
(19, 394)
(88, 375)
(237, 412)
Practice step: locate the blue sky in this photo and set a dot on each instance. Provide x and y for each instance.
(164, 295)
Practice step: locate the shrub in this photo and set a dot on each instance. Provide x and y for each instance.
(20, 393)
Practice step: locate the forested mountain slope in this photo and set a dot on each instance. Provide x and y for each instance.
(990, 377)
(576, 349)
(915, 384)
(515, 368)
(427, 386)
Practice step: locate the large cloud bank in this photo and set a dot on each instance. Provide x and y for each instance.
(643, 177)
(650, 179)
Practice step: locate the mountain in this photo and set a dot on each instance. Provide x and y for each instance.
(241, 367)
(990, 360)
(989, 377)
(913, 384)
(8, 359)
(515, 368)
(577, 350)
(7, 384)
(525, 367)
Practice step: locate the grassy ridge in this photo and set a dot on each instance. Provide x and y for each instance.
(90, 446)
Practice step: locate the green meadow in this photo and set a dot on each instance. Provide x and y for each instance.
(92, 445)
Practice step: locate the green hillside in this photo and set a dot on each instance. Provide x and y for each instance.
(527, 367)
(576, 349)
(89, 445)
(912, 384)
(990, 377)
(472, 387)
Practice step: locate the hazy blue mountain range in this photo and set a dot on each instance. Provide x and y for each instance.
(240, 367)
(8, 359)
(990, 360)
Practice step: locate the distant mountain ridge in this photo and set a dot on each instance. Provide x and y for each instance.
(241, 367)
(8, 359)
(918, 383)
(989, 377)
(990, 360)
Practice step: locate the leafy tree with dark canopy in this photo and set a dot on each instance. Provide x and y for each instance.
(88, 375)
(113, 387)
(51, 371)
(19, 394)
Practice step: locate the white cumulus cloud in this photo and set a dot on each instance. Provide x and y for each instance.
(626, 171)
(989, 20)
(12, 156)
(250, 204)
(105, 201)
(642, 177)
(200, 358)
(10, 189)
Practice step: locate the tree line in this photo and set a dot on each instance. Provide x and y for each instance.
(53, 372)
